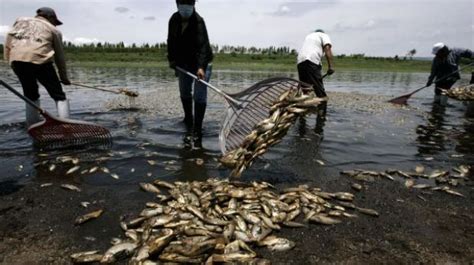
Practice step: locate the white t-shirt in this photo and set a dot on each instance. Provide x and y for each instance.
(313, 47)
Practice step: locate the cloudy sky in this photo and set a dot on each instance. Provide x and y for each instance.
(373, 27)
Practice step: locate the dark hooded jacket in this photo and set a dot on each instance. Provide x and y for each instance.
(189, 49)
(446, 69)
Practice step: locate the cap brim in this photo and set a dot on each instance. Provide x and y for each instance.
(57, 22)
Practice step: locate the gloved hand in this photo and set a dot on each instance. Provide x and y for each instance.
(330, 71)
(201, 74)
(172, 65)
(65, 81)
(429, 83)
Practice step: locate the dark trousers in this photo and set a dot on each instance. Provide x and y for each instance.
(310, 73)
(446, 84)
(30, 74)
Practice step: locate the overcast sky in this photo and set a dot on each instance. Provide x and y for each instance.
(373, 27)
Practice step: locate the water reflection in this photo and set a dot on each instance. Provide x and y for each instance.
(431, 137)
(466, 137)
(320, 114)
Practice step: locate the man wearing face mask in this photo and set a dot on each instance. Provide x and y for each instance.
(189, 48)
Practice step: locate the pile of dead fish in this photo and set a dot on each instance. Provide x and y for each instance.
(283, 113)
(442, 180)
(220, 221)
(464, 93)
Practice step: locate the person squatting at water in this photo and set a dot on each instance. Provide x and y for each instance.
(31, 46)
(445, 66)
(189, 48)
(316, 45)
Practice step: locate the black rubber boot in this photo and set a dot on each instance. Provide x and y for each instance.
(188, 113)
(472, 78)
(199, 111)
(188, 120)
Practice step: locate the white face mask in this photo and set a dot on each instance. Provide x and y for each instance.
(185, 10)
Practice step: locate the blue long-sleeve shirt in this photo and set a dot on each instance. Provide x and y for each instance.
(442, 68)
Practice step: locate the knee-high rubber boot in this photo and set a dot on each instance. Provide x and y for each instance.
(188, 113)
(32, 114)
(472, 78)
(63, 108)
(199, 111)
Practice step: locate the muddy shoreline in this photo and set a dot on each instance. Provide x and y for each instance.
(37, 225)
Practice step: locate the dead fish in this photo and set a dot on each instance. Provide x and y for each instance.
(454, 192)
(149, 187)
(277, 243)
(84, 218)
(321, 219)
(105, 170)
(419, 169)
(421, 186)
(70, 187)
(367, 211)
(162, 183)
(114, 175)
(93, 169)
(438, 174)
(44, 185)
(386, 175)
(86, 257)
(356, 186)
(85, 204)
(125, 248)
(320, 162)
(173, 257)
(152, 162)
(52, 167)
(409, 183)
(293, 224)
(72, 170)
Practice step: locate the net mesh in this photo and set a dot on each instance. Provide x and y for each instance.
(256, 102)
(57, 132)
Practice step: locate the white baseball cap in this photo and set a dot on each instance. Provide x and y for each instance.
(438, 46)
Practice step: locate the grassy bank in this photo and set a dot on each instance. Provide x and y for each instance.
(244, 62)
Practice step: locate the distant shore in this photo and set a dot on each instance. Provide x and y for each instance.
(246, 62)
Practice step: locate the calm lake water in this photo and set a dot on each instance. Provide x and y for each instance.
(361, 130)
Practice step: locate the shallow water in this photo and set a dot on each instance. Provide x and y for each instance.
(361, 130)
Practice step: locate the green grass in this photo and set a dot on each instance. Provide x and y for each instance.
(243, 62)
